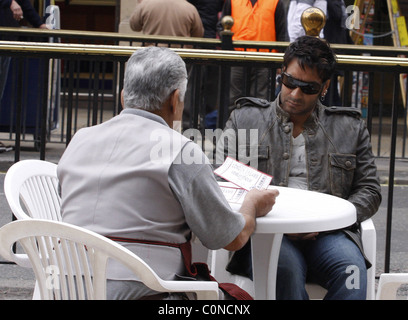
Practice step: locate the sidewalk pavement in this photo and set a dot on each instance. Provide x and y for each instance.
(400, 171)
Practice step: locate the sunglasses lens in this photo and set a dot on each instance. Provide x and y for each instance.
(306, 87)
(309, 89)
(288, 81)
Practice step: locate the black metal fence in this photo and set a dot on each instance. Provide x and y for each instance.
(78, 77)
(91, 81)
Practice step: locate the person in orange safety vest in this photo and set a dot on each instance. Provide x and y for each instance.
(254, 20)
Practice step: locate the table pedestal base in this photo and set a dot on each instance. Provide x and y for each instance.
(265, 255)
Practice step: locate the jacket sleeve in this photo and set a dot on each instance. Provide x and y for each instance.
(135, 21)
(5, 3)
(366, 190)
(197, 29)
(281, 26)
(29, 13)
(226, 11)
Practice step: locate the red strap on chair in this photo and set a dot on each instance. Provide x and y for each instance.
(197, 269)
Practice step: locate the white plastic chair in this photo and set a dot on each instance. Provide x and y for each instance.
(389, 284)
(59, 252)
(31, 189)
(218, 259)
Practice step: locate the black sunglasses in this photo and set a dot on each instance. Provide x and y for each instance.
(306, 87)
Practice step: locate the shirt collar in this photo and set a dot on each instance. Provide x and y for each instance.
(145, 114)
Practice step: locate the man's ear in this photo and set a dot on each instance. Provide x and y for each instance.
(174, 100)
(122, 100)
(326, 85)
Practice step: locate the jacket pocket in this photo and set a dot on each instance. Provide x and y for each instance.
(255, 156)
(342, 167)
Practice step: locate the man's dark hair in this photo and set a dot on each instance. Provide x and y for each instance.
(314, 53)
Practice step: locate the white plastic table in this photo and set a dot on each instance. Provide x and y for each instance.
(295, 211)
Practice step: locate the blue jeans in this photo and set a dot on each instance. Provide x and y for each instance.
(332, 260)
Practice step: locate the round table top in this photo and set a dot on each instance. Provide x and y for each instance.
(298, 211)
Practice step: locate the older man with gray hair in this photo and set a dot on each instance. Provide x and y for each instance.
(111, 184)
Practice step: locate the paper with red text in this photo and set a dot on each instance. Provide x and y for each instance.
(242, 175)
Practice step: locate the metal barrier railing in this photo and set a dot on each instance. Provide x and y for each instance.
(129, 39)
(92, 74)
(86, 69)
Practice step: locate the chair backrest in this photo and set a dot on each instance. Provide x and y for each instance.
(31, 189)
(59, 252)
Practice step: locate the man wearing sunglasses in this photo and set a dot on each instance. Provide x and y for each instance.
(306, 145)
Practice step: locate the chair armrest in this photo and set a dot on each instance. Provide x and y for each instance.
(367, 225)
(21, 260)
(369, 239)
(389, 284)
(205, 290)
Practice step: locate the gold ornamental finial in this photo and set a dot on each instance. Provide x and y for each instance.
(227, 22)
(313, 20)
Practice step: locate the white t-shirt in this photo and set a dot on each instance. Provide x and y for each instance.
(298, 174)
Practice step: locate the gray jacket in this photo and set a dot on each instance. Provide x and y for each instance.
(339, 159)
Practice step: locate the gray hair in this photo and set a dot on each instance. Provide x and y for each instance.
(151, 75)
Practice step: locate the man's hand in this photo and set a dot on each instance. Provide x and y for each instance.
(16, 9)
(262, 200)
(257, 203)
